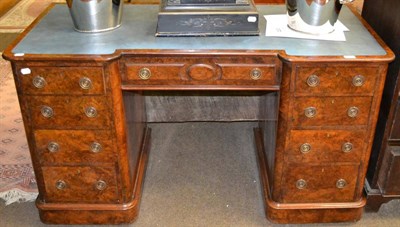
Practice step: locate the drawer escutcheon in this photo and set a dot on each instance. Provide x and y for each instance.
(39, 82)
(53, 147)
(101, 185)
(313, 80)
(347, 147)
(60, 185)
(341, 183)
(255, 74)
(310, 112)
(358, 80)
(305, 148)
(144, 73)
(85, 83)
(96, 147)
(47, 111)
(301, 184)
(352, 112)
(91, 112)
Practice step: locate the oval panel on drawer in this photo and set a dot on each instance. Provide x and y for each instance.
(319, 183)
(69, 112)
(74, 146)
(326, 145)
(331, 111)
(80, 184)
(63, 80)
(202, 72)
(336, 80)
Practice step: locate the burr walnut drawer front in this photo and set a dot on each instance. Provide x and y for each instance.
(68, 112)
(319, 183)
(207, 71)
(81, 184)
(74, 146)
(61, 80)
(326, 145)
(331, 111)
(336, 80)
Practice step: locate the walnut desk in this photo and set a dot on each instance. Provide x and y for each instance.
(83, 100)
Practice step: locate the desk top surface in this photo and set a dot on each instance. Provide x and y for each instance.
(54, 34)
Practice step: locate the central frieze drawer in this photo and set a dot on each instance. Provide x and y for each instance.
(80, 184)
(65, 112)
(74, 146)
(331, 111)
(336, 80)
(201, 71)
(326, 145)
(62, 80)
(319, 183)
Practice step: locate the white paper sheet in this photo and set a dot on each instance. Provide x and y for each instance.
(277, 27)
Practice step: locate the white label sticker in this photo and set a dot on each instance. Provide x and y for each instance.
(349, 56)
(252, 19)
(25, 71)
(19, 54)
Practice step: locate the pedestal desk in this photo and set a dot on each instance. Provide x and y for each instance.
(85, 104)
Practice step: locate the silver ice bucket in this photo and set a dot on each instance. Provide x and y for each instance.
(314, 16)
(95, 15)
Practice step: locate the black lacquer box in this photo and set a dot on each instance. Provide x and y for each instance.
(207, 18)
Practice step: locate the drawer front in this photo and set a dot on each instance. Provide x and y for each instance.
(62, 80)
(203, 71)
(80, 184)
(331, 111)
(74, 146)
(319, 183)
(336, 80)
(64, 112)
(326, 146)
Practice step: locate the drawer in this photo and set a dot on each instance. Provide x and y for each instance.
(201, 71)
(61, 80)
(80, 184)
(65, 112)
(331, 111)
(319, 183)
(74, 146)
(326, 146)
(336, 80)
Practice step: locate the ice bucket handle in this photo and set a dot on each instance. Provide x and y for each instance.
(345, 1)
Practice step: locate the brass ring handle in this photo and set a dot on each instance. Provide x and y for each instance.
(341, 183)
(347, 147)
(60, 185)
(144, 73)
(255, 74)
(85, 83)
(47, 111)
(96, 147)
(352, 112)
(305, 148)
(313, 80)
(101, 185)
(310, 112)
(358, 80)
(301, 184)
(91, 112)
(53, 147)
(39, 82)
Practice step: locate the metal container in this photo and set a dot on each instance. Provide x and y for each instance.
(314, 16)
(95, 15)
